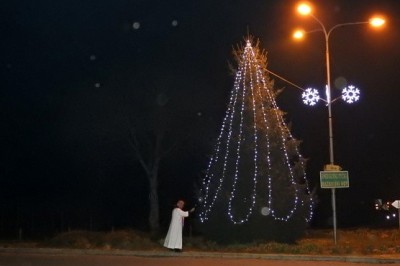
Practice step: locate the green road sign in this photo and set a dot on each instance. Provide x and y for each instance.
(334, 179)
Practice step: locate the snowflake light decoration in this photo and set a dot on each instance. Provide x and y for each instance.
(350, 94)
(310, 96)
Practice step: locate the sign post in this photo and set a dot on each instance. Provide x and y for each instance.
(396, 204)
(333, 178)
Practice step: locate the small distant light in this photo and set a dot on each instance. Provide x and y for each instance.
(394, 215)
(174, 23)
(136, 25)
(387, 217)
(92, 57)
(97, 85)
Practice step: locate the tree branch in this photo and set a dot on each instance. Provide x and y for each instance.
(133, 141)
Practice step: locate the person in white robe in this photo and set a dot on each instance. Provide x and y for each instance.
(173, 240)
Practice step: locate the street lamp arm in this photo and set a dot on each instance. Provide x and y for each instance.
(343, 25)
(321, 24)
(328, 32)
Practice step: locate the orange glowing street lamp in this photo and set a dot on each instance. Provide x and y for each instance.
(377, 21)
(299, 34)
(305, 9)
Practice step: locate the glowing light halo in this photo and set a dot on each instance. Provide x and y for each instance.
(350, 94)
(310, 96)
(255, 88)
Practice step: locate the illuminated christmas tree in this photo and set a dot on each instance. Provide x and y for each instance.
(255, 186)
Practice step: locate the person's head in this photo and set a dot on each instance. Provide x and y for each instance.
(180, 204)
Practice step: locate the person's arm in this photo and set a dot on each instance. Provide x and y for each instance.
(183, 213)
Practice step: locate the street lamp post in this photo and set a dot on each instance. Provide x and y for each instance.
(306, 9)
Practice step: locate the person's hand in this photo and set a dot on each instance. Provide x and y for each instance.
(192, 210)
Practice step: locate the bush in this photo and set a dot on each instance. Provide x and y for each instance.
(316, 242)
(259, 228)
(128, 239)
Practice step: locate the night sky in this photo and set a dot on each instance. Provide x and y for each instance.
(75, 74)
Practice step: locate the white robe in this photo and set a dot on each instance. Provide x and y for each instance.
(174, 235)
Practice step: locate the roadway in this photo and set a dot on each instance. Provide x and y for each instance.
(67, 257)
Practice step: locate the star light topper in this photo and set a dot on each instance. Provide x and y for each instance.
(350, 94)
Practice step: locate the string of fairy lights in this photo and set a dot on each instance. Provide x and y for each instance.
(245, 67)
(284, 129)
(249, 88)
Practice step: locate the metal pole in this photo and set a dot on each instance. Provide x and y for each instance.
(398, 215)
(329, 100)
(334, 214)
(328, 92)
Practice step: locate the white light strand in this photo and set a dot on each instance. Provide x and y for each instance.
(246, 64)
(283, 132)
(250, 74)
(207, 207)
